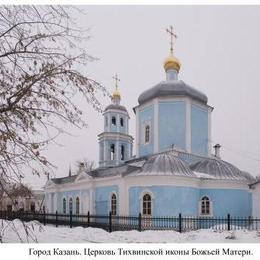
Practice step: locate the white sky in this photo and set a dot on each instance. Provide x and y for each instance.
(218, 47)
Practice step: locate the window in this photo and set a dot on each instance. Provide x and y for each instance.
(112, 152)
(77, 205)
(147, 205)
(147, 134)
(70, 205)
(113, 204)
(64, 206)
(106, 121)
(9, 208)
(122, 152)
(205, 206)
(113, 120)
(121, 121)
(32, 207)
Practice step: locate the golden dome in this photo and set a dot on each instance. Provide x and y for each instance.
(116, 94)
(172, 62)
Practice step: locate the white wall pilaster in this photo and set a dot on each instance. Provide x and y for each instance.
(188, 126)
(209, 132)
(156, 126)
(137, 131)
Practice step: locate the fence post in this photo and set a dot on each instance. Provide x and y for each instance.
(44, 218)
(56, 218)
(180, 223)
(140, 222)
(249, 222)
(88, 219)
(110, 222)
(70, 219)
(228, 222)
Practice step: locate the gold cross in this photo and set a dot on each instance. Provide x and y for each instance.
(116, 80)
(172, 34)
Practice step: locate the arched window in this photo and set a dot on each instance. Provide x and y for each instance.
(113, 204)
(113, 120)
(70, 205)
(147, 134)
(64, 206)
(122, 152)
(147, 205)
(32, 206)
(112, 152)
(121, 121)
(77, 205)
(106, 121)
(205, 206)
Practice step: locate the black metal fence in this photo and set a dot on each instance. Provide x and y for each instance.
(115, 223)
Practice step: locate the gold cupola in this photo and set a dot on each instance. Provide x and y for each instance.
(116, 94)
(171, 63)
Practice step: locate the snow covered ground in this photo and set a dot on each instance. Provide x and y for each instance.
(33, 231)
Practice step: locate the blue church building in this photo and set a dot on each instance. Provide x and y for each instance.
(173, 170)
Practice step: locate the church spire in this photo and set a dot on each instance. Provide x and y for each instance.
(171, 64)
(116, 94)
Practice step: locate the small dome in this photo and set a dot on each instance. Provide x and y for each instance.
(115, 107)
(220, 169)
(166, 164)
(172, 88)
(116, 94)
(172, 62)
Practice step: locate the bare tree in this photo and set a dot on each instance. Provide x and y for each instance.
(41, 61)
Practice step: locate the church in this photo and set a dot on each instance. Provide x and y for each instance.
(172, 171)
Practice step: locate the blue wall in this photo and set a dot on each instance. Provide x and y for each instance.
(172, 125)
(69, 194)
(199, 130)
(123, 129)
(234, 201)
(172, 200)
(113, 128)
(146, 115)
(168, 200)
(102, 199)
(117, 127)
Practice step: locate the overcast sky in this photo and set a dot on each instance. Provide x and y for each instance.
(218, 47)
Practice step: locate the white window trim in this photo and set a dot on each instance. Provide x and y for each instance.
(65, 205)
(114, 116)
(144, 125)
(141, 202)
(109, 202)
(121, 118)
(121, 144)
(76, 205)
(210, 207)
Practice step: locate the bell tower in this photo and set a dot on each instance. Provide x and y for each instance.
(115, 144)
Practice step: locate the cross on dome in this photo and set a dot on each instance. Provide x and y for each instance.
(172, 35)
(116, 80)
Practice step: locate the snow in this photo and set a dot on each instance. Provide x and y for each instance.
(204, 175)
(15, 231)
